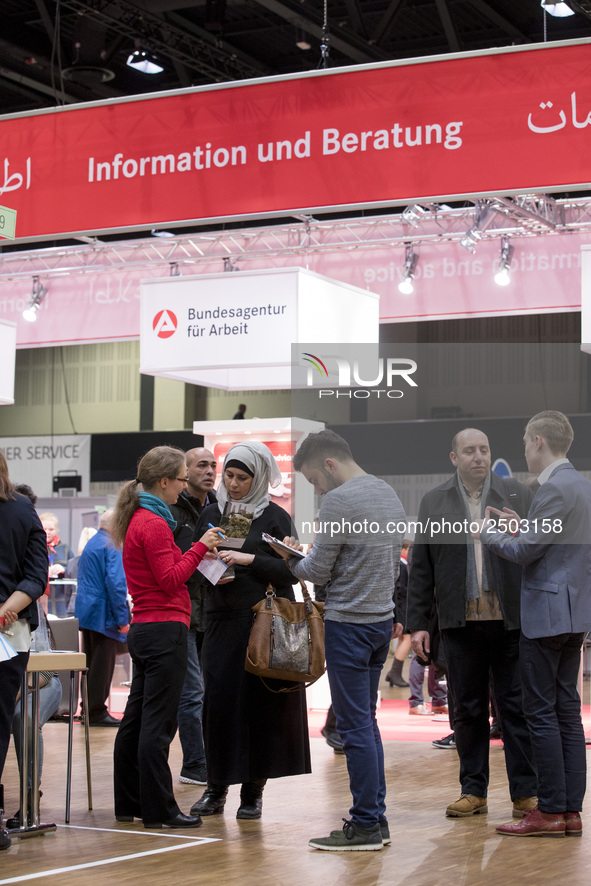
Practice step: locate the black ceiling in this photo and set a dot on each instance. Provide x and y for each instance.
(61, 52)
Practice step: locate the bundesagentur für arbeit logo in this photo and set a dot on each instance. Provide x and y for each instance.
(165, 324)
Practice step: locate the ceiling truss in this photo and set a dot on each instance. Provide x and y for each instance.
(522, 216)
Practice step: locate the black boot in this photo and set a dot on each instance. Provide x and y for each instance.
(394, 676)
(251, 799)
(212, 802)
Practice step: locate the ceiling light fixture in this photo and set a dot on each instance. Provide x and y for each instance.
(559, 10)
(483, 216)
(503, 273)
(38, 294)
(406, 285)
(144, 61)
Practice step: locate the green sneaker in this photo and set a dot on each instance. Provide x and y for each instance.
(351, 838)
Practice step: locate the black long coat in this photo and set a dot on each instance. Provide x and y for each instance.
(249, 732)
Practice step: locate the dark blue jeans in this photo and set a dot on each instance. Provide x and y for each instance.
(552, 707)
(191, 708)
(355, 655)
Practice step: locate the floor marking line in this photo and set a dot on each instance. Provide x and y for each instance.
(95, 864)
(145, 833)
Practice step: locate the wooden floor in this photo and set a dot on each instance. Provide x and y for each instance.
(427, 848)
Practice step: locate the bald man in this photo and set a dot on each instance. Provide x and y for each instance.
(201, 475)
(477, 599)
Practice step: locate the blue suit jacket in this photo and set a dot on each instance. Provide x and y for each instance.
(101, 596)
(554, 547)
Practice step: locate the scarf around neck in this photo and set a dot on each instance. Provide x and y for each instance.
(157, 506)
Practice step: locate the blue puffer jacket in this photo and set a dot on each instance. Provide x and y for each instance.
(101, 597)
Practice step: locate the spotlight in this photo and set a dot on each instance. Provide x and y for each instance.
(483, 216)
(559, 10)
(503, 274)
(164, 235)
(470, 239)
(414, 215)
(144, 61)
(406, 285)
(38, 294)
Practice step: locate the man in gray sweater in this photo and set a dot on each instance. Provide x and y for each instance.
(357, 550)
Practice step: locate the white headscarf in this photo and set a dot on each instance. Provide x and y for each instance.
(259, 459)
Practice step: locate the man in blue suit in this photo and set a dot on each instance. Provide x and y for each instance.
(553, 545)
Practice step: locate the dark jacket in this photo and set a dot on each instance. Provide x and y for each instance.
(187, 512)
(23, 553)
(439, 559)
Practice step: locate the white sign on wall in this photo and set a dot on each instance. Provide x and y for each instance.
(37, 460)
(7, 361)
(235, 331)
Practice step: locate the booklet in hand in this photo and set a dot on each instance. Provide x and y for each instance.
(275, 543)
(235, 523)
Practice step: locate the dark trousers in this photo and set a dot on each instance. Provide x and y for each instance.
(552, 706)
(101, 652)
(472, 652)
(142, 779)
(11, 673)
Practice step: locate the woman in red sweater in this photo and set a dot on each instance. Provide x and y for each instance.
(156, 571)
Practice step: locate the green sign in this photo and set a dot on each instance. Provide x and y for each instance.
(7, 222)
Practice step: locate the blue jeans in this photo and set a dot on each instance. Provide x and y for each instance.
(552, 708)
(355, 655)
(49, 701)
(191, 708)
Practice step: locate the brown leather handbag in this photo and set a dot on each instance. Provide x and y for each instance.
(287, 640)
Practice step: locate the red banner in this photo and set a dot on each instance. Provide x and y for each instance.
(494, 122)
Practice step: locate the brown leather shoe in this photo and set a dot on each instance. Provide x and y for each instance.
(535, 824)
(523, 805)
(439, 708)
(467, 805)
(573, 823)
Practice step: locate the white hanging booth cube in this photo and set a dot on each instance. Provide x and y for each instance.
(7, 361)
(235, 330)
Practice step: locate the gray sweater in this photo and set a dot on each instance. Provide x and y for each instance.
(357, 549)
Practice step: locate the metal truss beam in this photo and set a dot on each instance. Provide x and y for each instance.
(523, 216)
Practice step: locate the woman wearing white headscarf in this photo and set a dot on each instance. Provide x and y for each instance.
(250, 733)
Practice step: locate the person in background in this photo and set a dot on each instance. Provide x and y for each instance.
(156, 571)
(201, 474)
(241, 411)
(50, 695)
(23, 579)
(251, 733)
(71, 571)
(25, 489)
(59, 554)
(394, 676)
(58, 551)
(103, 616)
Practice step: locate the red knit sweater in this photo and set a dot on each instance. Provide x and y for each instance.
(156, 570)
